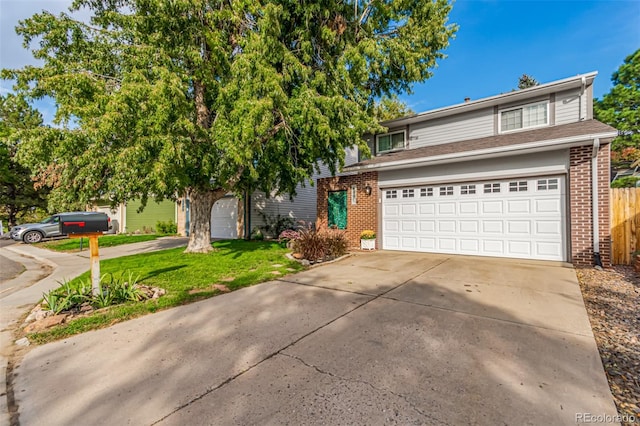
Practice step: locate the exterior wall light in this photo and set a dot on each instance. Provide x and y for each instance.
(367, 189)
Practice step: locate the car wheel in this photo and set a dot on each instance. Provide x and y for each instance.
(32, 237)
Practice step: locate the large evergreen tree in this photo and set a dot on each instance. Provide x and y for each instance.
(18, 195)
(160, 98)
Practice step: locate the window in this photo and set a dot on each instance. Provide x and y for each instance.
(354, 195)
(407, 193)
(491, 188)
(446, 190)
(391, 194)
(426, 192)
(546, 184)
(467, 189)
(390, 141)
(337, 209)
(519, 186)
(534, 115)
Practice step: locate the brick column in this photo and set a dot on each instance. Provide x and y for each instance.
(580, 205)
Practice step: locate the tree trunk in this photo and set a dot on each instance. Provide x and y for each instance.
(200, 230)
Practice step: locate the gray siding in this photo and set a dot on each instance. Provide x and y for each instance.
(303, 206)
(568, 106)
(475, 124)
(540, 163)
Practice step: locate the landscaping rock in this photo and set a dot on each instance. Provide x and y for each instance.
(305, 262)
(297, 256)
(45, 323)
(276, 272)
(221, 287)
(37, 313)
(612, 299)
(23, 342)
(228, 279)
(277, 265)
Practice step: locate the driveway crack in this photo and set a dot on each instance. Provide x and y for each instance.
(364, 382)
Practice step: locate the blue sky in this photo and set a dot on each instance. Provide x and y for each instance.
(496, 43)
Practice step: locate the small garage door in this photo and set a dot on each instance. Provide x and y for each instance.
(224, 218)
(520, 218)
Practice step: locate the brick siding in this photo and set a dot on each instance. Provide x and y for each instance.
(360, 217)
(580, 206)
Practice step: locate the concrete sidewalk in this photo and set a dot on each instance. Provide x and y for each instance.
(378, 338)
(23, 291)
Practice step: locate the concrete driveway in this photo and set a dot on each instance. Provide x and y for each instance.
(378, 338)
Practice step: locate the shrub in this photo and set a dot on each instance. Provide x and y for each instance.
(257, 234)
(367, 235)
(275, 225)
(319, 245)
(288, 235)
(169, 227)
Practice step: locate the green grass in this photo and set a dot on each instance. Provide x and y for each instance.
(235, 263)
(73, 244)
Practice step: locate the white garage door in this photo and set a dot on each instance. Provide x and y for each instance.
(224, 218)
(521, 218)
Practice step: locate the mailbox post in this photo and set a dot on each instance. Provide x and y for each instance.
(90, 225)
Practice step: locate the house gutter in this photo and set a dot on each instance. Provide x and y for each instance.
(594, 203)
(482, 153)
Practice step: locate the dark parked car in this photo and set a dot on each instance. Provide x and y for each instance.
(50, 227)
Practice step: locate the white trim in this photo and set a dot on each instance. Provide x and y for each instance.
(390, 134)
(484, 153)
(522, 107)
(515, 96)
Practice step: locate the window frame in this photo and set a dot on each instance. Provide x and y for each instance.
(390, 134)
(522, 107)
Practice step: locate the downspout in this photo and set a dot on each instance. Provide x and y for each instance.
(582, 90)
(594, 203)
(247, 215)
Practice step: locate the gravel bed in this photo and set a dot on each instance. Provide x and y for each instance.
(612, 298)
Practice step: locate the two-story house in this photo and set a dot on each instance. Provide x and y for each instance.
(524, 174)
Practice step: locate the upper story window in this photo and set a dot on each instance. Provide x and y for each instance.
(523, 117)
(390, 141)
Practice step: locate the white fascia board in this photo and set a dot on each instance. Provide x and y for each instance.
(485, 153)
(510, 97)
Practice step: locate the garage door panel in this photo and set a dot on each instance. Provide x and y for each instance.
(518, 227)
(224, 218)
(522, 218)
(428, 244)
(548, 206)
(447, 226)
(409, 226)
(492, 207)
(447, 244)
(467, 226)
(427, 226)
(427, 209)
(391, 225)
(518, 206)
(493, 247)
(408, 210)
(468, 208)
(492, 226)
(522, 248)
(470, 246)
(447, 208)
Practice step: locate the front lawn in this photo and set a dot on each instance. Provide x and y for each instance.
(73, 244)
(185, 277)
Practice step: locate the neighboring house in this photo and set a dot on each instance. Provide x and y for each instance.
(524, 174)
(127, 220)
(237, 217)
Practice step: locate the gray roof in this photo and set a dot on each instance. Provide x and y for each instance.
(586, 128)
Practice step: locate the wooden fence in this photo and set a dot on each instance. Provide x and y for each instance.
(625, 224)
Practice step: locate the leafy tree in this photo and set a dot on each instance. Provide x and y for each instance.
(390, 107)
(625, 182)
(525, 81)
(18, 196)
(620, 107)
(200, 98)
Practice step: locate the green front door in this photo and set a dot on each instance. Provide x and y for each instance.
(338, 209)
